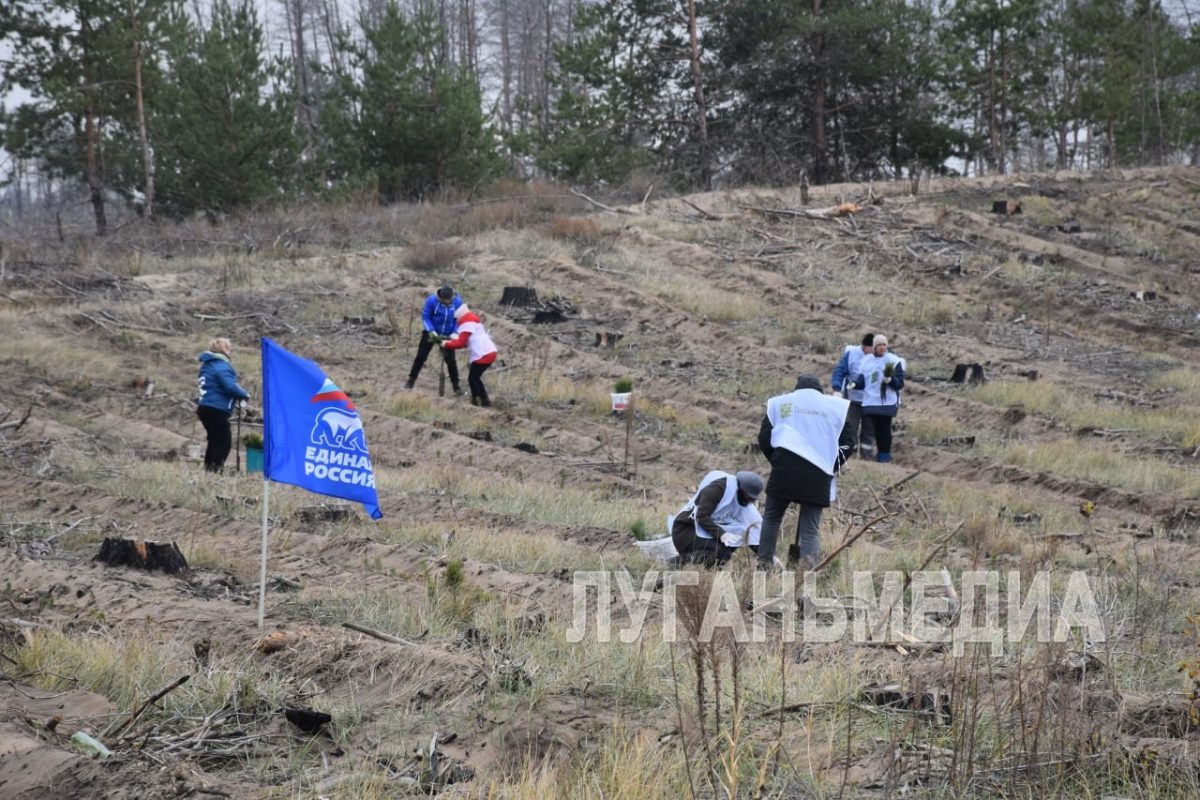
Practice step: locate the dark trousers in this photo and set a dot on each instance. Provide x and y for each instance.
(479, 395)
(216, 425)
(860, 425)
(693, 549)
(807, 548)
(883, 432)
(426, 344)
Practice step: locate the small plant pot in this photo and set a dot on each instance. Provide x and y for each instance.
(254, 459)
(620, 400)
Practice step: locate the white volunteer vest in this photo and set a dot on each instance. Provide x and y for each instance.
(808, 424)
(854, 355)
(480, 344)
(875, 392)
(729, 515)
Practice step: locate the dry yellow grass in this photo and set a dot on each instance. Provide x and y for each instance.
(1080, 409)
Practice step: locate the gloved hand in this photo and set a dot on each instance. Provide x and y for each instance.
(433, 337)
(731, 540)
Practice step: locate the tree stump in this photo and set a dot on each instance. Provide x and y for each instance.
(519, 296)
(164, 556)
(608, 339)
(970, 374)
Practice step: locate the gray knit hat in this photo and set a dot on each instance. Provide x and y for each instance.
(750, 483)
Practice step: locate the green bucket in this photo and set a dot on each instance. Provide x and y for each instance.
(254, 459)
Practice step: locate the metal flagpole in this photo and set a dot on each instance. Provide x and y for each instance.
(262, 573)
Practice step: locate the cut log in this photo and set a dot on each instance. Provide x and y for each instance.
(164, 556)
(1006, 207)
(346, 320)
(519, 296)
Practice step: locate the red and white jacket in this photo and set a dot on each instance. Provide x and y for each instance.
(471, 335)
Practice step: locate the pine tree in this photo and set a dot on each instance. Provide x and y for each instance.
(226, 119)
(403, 118)
(79, 60)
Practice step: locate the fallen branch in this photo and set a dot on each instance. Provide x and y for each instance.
(705, 214)
(16, 423)
(380, 635)
(600, 205)
(938, 545)
(850, 540)
(901, 482)
(159, 695)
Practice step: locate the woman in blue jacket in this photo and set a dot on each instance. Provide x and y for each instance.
(438, 318)
(219, 391)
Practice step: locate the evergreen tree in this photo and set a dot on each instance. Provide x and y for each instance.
(226, 118)
(403, 118)
(79, 61)
(622, 104)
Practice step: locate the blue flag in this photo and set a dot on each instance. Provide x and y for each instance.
(312, 435)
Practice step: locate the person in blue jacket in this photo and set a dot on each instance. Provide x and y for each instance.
(438, 319)
(219, 392)
(843, 383)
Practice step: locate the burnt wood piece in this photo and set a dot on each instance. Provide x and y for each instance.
(548, 317)
(1006, 207)
(970, 374)
(163, 556)
(324, 513)
(519, 296)
(306, 719)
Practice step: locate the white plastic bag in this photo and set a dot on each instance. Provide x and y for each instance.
(660, 550)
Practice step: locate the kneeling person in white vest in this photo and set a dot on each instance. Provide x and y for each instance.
(806, 438)
(719, 518)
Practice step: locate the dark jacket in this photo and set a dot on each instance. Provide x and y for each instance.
(218, 382)
(706, 504)
(438, 317)
(797, 479)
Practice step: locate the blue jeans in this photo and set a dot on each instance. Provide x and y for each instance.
(808, 531)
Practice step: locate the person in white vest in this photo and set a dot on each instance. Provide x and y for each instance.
(881, 377)
(843, 383)
(481, 351)
(719, 518)
(806, 438)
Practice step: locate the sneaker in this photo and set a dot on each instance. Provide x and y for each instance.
(408, 384)
(458, 391)
(883, 458)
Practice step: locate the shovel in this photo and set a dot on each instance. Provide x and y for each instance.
(237, 443)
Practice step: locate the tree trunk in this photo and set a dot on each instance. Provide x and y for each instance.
(506, 71)
(818, 52)
(147, 157)
(91, 134)
(698, 94)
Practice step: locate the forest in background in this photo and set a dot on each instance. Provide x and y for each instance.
(174, 108)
